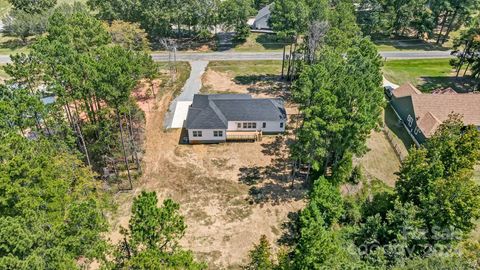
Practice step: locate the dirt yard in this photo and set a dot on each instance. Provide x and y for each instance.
(230, 194)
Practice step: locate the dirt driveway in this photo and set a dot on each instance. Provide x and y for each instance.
(230, 194)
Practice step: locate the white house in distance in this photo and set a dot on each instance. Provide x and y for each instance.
(261, 20)
(230, 117)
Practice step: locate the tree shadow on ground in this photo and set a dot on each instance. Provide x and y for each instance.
(273, 183)
(291, 230)
(15, 43)
(268, 84)
(460, 84)
(270, 41)
(249, 79)
(188, 43)
(408, 43)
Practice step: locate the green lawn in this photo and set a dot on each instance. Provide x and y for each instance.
(426, 74)
(406, 45)
(3, 74)
(258, 42)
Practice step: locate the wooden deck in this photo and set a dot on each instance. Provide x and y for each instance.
(244, 135)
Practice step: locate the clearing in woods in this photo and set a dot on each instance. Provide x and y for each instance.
(230, 194)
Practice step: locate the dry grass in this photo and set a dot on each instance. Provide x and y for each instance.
(224, 214)
(381, 162)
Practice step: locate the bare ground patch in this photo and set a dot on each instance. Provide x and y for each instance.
(225, 215)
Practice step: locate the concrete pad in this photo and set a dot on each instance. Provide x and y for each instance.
(177, 112)
(388, 83)
(180, 114)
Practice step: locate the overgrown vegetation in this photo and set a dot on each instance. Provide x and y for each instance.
(67, 111)
(429, 213)
(419, 18)
(425, 220)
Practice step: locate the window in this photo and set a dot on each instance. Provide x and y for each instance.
(239, 125)
(197, 133)
(281, 125)
(217, 133)
(264, 125)
(417, 130)
(410, 120)
(250, 125)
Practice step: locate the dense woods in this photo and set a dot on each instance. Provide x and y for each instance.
(421, 18)
(65, 113)
(429, 214)
(192, 18)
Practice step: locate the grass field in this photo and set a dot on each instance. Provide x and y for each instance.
(244, 68)
(3, 74)
(406, 45)
(426, 74)
(257, 42)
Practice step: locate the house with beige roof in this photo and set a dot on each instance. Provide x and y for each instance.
(422, 113)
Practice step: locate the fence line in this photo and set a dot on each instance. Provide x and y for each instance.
(401, 156)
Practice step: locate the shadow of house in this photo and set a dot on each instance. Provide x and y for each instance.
(394, 124)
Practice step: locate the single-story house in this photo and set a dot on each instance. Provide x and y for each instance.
(221, 117)
(262, 18)
(422, 113)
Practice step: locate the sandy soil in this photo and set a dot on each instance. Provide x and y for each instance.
(221, 82)
(230, 194)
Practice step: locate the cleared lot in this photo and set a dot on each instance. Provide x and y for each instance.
(230, 194)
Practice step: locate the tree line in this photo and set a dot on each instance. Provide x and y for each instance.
(192, 18)
(424, 222)
(466, 48)
(420, 18)
(420, 223)
(53, 215)
(90, 80)
(66, 115)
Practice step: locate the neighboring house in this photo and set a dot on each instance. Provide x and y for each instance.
(423, 113)
(218, 118)
(261, 20)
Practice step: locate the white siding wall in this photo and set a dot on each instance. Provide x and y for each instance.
(207, 135)
(272, 126)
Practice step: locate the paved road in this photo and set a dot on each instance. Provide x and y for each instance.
(244, 56)
(239, 56)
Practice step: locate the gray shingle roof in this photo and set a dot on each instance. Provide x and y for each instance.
(214, 111)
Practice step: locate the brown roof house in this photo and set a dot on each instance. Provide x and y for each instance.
(423, 113)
